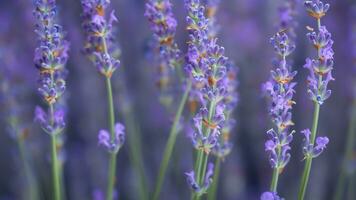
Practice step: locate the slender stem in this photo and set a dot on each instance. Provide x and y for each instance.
(55, 169)
(31, 183)
(348, 153)
(213, 191)
(170, 144)
(275, 178)
(351, 189)
(308, 163)
(112, 161)
(135, 151)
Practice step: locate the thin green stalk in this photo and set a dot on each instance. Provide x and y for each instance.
(135, 152)
(112, 161)
(275, 178)
(54, 155)
(170, 144)
(350, 141)
(308, 163)
(30, 179)
(213, 190)
(351, 194)
(55, 169)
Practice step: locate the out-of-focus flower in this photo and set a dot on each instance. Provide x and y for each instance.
(100, 44)
(112, 145)
(163, 24)
(270, 196)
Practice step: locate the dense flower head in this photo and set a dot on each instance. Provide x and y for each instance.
(99, 43)
(208, 179)
(280, 90)
(224, 144)
(112, 144)
(207, 65)
(316, 8)
(321, 67)
(270, 196)
(311, 150)
(167, 54)
(52, 53)
(50, 59)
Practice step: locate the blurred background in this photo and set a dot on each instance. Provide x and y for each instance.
(245, 29)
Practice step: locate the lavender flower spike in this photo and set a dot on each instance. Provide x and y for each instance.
(206, 64)
(50, 59)
(163, 24)
(195, 186)
(320, 69)
(280, 90)
(102, 50)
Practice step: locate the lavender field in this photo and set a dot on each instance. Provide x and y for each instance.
(178, 100)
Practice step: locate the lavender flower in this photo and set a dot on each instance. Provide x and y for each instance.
(287, 12)
(100, 46)
(112, 145)
(50, 59)
(320, 75)
(224, 145)
(270, 196)
(207, 180)
(206, 64)
(280, 91)
(163, 24)
(320, 69)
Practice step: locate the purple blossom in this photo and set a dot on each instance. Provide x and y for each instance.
(311, 150)
(270, 196)
(100, 44)
(50, 59)
(163, 24)
(316, 8)
(208, 179)
(112, 145)
(280, 92)
(320, 68)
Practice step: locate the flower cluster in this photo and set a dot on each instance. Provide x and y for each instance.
(211, 9)
(163, 24)
(316, 8)
(309, 150)
(207, 65)
(287, 12)
(320, 68)
(280, 90)
(50, 59)
(114, 145)
(224, 145)
(270, 196)
(207, 180)
(100, 44)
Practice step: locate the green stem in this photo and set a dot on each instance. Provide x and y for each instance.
(135, 152)
(308, 163)
(31, 182)
(170, 144)
(275, 178)
(55, 169)
(351, 189)
(213, 191)
(112, 161)
(348, 153)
